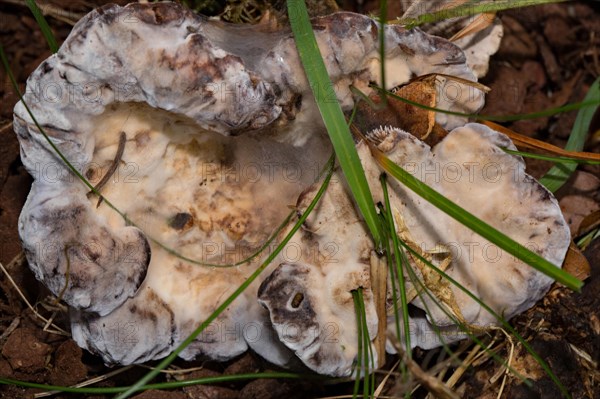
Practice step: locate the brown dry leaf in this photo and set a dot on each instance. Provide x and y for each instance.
(417, 121)
(371, 116)
(576, 263)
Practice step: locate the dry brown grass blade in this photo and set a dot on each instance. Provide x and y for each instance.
(57, 330)
(460, 370)
(379, 390)
(6, 127)
(479, 23)
(354, 397)
(528, 142)
(12, 327)
(178, 373)
(429, 381)
(504, 370)
(413, 8)
(379, 288)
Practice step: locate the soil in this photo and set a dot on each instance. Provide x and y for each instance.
(549, 57)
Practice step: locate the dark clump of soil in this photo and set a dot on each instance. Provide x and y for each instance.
(549, 57)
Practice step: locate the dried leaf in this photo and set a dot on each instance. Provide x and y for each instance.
(576, 263)
(417, 121)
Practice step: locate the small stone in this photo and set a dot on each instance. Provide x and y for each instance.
(243, 365)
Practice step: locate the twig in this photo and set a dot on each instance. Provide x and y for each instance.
(9, 124)
(504, 370)
(113, 168)
(12, 327)
(59, 331)
(50, 10)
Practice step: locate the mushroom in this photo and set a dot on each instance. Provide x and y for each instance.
(309, 300)
(202, 134)
(309, 294)
(470, 167)
(478, 45)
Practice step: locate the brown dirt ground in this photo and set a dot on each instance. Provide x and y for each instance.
(549, 57)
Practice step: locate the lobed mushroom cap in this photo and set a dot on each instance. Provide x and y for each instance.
(470, 167)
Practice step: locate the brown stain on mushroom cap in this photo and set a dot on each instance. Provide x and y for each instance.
(279, 290)
(159, 13)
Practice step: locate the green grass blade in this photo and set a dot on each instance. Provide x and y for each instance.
(423, 289)
(139, 385)
(364, 356)
(333, 116)
(587, 239)
(399, 272)
(395, 300)
(478, 226)
(359, 356)
(162, 385)
(559, 174)
(369, 387)
(382, 19)
(43, 24)
(498, 317)
(469, 9)
(393, 277)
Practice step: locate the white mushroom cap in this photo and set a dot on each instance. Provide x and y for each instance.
(310, 300)
(470, 168)
(478, 47)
